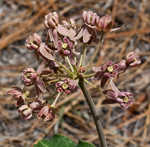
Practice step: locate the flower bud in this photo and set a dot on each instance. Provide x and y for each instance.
(17, 95)
(127, 98)
(132, 59)
(122, 65)
(36, 106)
(105, 23)
(51, 20)
(29, 76)
(46, 113)
(90, 18)
(33, 42)
(82, 69)
(25, 111)
(15, 92)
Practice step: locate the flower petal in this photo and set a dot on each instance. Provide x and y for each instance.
(62, 30)
(86, 36)
(45, 53)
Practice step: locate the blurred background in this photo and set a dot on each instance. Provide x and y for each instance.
(130, 128)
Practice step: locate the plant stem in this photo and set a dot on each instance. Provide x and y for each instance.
(70, 64)
(98, 48)
(93, 111)
(64, 67)
(56, 99)
(89, 75)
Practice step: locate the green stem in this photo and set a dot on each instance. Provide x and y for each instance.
(64, 67)
(89, 75)
(52, 81)
(56, 99)
(71, 67)
(94, 113)
(80, 61)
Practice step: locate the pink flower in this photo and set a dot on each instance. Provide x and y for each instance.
(66, 86)
(114, 95)
(53, 37)
(104, 23)
(17, 94)
(125, 99)
(25, 111)
(46, 113)
(65, 47)
(29, 76)
(105, 72)
(45, 52)
(36, 105)
(90, 18)
(33, 42)
(86, 34)
(40, 85)
(67, 29)
(122, 65)
(93, 24)
(51, 20)
(132, 59)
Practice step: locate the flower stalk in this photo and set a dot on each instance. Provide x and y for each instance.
(56, 99)
(93, 111)
(71, 67)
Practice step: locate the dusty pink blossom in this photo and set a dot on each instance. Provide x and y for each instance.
(122, 65)
(17, 94)
(36, 105)
(25, 111)
(53, 37)
(45, 52)
(51, 20)
(88, 31)
(66, 31)
(29, 76)
(105, 72)
(66, 86)
(40, 85)
(90, 18)
(132, 59)
(33, 42)
(125, 99)
(85, 33)
(105, 23)
(65, 47)
(114, 95)
(46, 113)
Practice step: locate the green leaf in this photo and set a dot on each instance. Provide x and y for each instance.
(85, 144)
(61, 141)
(56, 141)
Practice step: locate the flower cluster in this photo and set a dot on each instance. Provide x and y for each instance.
(114, 95)
(112, 70)
(62, 65)
(93, 25)
(29, 106)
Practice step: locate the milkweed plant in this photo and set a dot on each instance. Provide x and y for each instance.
(63, 68)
